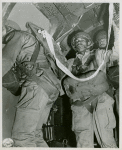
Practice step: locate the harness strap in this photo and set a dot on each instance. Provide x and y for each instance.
(45, 83)
(35, 53)
(37, 33)
(90, 103)
(34, 56)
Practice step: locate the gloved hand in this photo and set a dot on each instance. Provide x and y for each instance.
(82, 68)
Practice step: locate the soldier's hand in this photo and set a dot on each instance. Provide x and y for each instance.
(82, 68)
(77, 62)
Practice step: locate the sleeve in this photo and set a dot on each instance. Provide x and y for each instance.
(99, 57)
(115, 50)
(70, 63)
(10, 52)
(29, 44)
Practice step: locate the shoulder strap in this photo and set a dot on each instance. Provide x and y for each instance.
(35, 53)
(33, 57)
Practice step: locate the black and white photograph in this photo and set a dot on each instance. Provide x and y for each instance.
(60, 74)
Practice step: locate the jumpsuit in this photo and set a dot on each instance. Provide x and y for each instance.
(34, 103)
(101, 121)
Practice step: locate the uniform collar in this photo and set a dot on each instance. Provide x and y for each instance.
(86, 52)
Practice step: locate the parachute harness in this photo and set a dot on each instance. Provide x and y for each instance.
(66, 70)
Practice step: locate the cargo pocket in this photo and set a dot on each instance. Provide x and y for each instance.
(106, 116)
(102, 117)
(110, 114)
(111, 118)
(81, 120)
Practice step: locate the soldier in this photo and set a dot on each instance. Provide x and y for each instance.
(40, 85)
(112, 58)
(92, 107)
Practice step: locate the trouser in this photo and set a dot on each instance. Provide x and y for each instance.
(101, 122)
(117, 100)
(32, 112)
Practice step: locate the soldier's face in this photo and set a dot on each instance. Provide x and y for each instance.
(102, 43)
(80, 45)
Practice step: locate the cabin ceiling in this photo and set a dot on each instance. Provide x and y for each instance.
(64, 16)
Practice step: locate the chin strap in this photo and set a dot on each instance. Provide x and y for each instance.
(62, 67)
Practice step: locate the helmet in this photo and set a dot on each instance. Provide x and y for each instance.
(101, 35)
(12, 24)
(82, 35)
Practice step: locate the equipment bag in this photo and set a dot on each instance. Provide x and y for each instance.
(80, 90)
(10, 81)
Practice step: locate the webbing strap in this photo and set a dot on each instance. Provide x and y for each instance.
(63, 68)
(90, 104)
(97, 129)
(35, 53)
(89, 100)
(111, 8)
